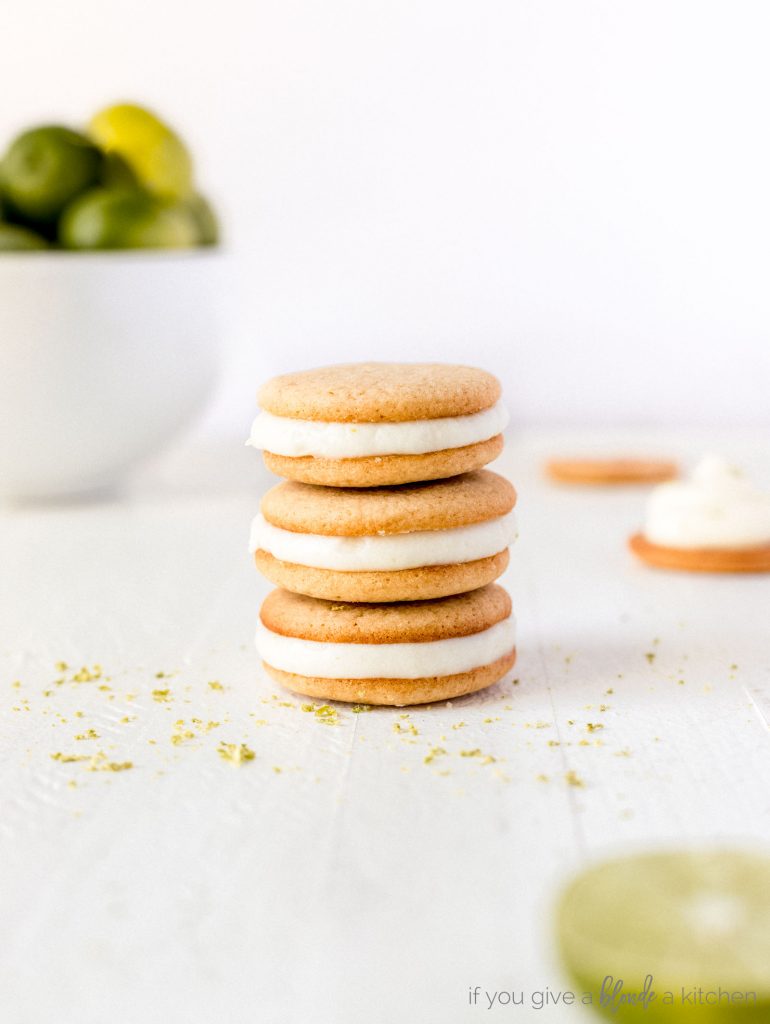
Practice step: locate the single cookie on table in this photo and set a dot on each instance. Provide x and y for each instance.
(405, 543)
(611, 471)
(375, 424)
(396, 654)
(714, 522)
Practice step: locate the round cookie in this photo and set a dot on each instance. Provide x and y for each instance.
(380, 392)
(755, 559)
(404, 543)
(383, 470)
(379, 424)
(397, 654)
(611, 471)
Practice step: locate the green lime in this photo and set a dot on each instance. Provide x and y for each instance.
(153, 151)
(125, 219)
(205, 218)
(44, 169)
(680, 938)
(14, 238)
(116, 173)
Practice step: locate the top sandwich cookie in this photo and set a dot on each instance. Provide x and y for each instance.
(375, 424)
(377, 544)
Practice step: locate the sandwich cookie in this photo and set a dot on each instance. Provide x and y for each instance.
(405, 543)
(374, 424)
(397, 654)
(714, 522)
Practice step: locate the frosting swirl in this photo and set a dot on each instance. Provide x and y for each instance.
(718, 507)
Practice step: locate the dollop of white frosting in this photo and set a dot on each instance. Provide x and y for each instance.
(386, 661)
(296, 438)
(391, 552)
(718, 507)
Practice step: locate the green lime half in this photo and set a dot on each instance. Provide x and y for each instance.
(14, 238)
(125, 219)
(44, 169)
(680, 938)
(153, 151)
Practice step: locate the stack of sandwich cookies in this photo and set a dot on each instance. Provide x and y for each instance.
(387, 535)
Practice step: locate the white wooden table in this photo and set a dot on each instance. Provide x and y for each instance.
(369, 869)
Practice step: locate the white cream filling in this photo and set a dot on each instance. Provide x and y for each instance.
(283, 436)
(717, 508)
(386, 661)
(391, 552)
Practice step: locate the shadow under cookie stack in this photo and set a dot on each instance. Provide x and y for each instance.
(386, 536)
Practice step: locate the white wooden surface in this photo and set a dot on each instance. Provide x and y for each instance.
(358, 882)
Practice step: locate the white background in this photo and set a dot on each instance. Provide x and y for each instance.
(574, 194)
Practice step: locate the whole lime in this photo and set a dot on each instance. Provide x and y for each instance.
(205, 218)
(153, 151)
(106, 218)
(15, 238)
(44, 169)
(116, 173)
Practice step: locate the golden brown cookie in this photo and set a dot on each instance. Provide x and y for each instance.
(397, 693)
(404, 653)
(701, 559)
(380, 392)
(434, 505)
(374, 424)
(413, 542)
(383, 470)
(384, 586)
(611, 471)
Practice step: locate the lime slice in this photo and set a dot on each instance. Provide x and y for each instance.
(14, 238)
(44, 169)
(696, 923)
(107, 218)
(155, 153)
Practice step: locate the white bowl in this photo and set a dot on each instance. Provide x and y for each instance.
(103, 357)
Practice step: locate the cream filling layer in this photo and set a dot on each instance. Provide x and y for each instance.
(717, 508)
(296, 438)
(386, 661)
(386, 553)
